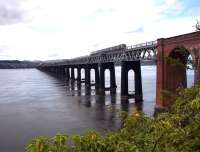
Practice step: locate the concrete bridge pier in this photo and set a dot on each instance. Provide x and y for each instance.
(87, 78)
(47, 69)
(72, 74)
(136, 67)
(78, 79)
(110, 66)
(58, 70)
(97, 79)
(62, 70)
(78, 74)
(51, 70)
(54, 70)
(67, 73)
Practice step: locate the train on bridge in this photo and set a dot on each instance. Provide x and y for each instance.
(109, 50)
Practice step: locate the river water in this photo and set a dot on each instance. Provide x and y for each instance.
(34, 103)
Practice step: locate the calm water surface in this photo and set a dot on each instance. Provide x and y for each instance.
(33, 103)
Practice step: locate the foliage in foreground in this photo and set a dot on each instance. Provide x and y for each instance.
(177, 130)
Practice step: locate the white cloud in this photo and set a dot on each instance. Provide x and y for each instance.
(53, 29)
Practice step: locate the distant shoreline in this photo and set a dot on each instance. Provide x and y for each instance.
(15, 64)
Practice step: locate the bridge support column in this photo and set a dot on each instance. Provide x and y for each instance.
(59, 69)
(138, 84)
(55, 70)
(87, 77)
(50, 69)
(160, 86)
(78, 74)
(67, 73)
(136, 67)
(110, 66)
(62, 70)
(72, 73)
(97, 77)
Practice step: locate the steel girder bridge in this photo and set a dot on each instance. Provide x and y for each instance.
(143, 52)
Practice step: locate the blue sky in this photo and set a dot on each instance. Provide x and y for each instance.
(58, 29)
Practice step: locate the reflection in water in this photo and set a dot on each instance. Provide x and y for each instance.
(91, 98)
(125, 106)
(139, 105)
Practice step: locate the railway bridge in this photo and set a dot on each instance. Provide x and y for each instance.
(169, 76)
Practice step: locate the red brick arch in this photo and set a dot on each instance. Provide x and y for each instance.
(170, 78)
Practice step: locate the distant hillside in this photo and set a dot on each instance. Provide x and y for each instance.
(15, 64)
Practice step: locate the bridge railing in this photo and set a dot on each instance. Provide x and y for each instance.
(151, 43)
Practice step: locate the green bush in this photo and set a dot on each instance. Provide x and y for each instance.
(177, 130)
